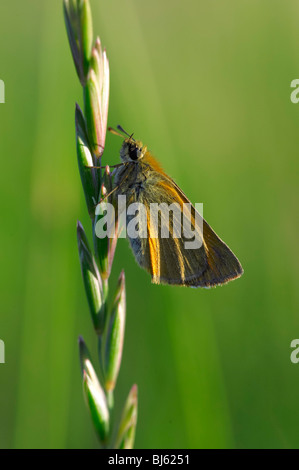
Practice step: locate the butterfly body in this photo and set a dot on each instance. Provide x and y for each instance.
(142, 180)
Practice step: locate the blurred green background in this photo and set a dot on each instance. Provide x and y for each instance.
(206, 85)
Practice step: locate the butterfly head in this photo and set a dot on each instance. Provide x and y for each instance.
(132, 150)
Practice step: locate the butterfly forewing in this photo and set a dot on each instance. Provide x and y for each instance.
(167, 259)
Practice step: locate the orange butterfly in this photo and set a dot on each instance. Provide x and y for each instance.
(141, 179)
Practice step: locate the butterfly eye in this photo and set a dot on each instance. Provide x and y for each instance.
(133, 152)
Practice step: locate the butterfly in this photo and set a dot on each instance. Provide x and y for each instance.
(143, 182)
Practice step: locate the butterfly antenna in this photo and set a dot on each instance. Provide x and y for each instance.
(125, 132)
(113, 131)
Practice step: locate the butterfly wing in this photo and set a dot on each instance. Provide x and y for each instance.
(167, 259)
